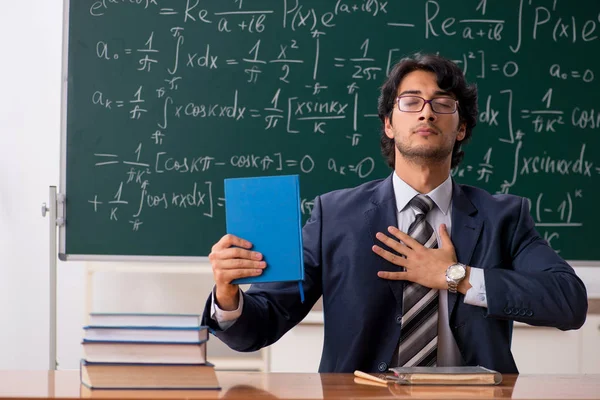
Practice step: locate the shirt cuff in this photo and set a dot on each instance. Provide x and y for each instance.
(476, 295)
(225, 319)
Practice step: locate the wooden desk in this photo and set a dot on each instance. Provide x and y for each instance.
(256, 385)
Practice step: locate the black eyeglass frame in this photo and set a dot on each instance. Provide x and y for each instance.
(425, 102)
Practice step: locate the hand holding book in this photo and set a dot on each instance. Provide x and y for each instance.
(231, 258)
(264, 236)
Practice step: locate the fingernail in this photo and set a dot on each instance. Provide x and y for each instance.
(379, 235)
(257, 256)
(258, 271)
(262, 264)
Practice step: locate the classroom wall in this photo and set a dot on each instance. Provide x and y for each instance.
(30, 67)
(30, 76)
(29, 120)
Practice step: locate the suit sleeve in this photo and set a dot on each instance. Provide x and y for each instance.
(271, 309)
(539, 287)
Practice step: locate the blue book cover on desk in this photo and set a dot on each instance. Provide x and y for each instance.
(266, 212)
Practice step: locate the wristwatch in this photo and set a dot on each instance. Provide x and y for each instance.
(454, 274)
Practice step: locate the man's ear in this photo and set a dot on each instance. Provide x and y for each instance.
(462, 131)
(388, 128)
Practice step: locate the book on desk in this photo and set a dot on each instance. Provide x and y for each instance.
(130, 376)
(134, 357)
(144, 320)
(462, 375)
(170, 334)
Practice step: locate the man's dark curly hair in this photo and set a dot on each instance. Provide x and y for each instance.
(449, 78)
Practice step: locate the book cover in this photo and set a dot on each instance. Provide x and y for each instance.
(145, 319)
(144, 352)
(266, 212)
(119, 376)
(462, 375)
(146, 334)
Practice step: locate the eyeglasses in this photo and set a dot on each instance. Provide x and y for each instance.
(439, 105)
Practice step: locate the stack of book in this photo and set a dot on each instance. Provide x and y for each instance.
(146, 351)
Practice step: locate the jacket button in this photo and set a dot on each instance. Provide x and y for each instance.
(523, 312)
(382, 367)
(529, 313)
(515, 311)
(506, 310)
(398, 319)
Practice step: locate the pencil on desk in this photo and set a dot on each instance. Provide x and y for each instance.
(369, 382)
(370, 377)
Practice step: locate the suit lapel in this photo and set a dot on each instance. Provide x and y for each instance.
(382, 214)
(466, 227)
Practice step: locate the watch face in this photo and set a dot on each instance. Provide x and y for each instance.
(456, 272)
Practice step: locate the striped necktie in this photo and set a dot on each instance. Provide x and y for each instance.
(418, 335)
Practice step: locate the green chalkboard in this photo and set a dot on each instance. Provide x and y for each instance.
(166, 99)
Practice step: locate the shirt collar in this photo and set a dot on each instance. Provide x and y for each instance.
(441, 195)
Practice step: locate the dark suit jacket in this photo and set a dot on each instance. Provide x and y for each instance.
(525, 281)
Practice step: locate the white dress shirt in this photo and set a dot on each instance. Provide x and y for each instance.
(441, 213)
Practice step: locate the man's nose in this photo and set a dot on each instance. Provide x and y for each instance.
(427, 113)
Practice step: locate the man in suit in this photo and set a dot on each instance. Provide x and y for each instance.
(414, 269)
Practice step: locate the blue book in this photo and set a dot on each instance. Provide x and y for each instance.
(266, 212)
(144, 352)
(146, 334)
(145, 319)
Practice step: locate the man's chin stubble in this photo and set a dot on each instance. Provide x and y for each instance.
(421, 156)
